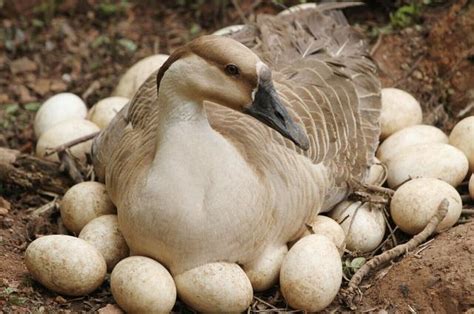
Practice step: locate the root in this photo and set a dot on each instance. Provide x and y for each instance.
(72, 143)
(349, 293)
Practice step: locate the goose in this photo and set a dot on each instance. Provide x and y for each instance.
(236, 142)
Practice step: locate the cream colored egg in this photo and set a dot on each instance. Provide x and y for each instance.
(471, 187)
(264, 271)
(399, 110)
(58, 108)
(413, 135)
(142, 285)
(65, 132)
(415, 203)
(84, 202)
(228, 30)
(137, 75)
(65, 264)
(462, 137)
(311, 273)
(297, 8)
(105, 110)
(368, 225)
(104, 234)
(377, 173)
(215, 287)
(434, 160)
(328, 227)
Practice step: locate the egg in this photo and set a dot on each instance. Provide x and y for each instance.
(413, 135)
(138, 74)
(434, 160)
(399, 110)
(368, 225)
(328, 227)
(462, 137)
(215, 287)
(58, 108)
(105, 110)
(84, 202)
(65, 132)
(104, 234)
(311, 273)
(416, 202)
(228, 30)
(263, 272)
(142, 285)
(377, 173)
(65, 264)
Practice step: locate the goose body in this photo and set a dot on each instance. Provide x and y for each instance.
(196, 180)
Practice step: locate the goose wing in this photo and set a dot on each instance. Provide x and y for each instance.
(326, 79)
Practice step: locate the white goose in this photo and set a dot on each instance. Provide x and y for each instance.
(197, 176)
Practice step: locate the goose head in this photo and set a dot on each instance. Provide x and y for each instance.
(223, 71)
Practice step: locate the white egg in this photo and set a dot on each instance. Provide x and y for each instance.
(142, 285)
(433, 160)
(58, 108)
(264, 271)
(104, 234)
(65, 264)
(368, 225)
(137, 75)
(215, 287)
(65, 132)
(399, 110)
(413, 135)
(228, 30)
(311, 273)
(105, 110)
(328, 227)
(416, 202)
(462, 137)
(377, 173)
(84, 202)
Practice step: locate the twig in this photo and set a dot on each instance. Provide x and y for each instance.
(376, 45)
(239, 11)
(70, 166)
(468, 212)
(410, 71)
(72, 143)
(386, 256)
(266, 303)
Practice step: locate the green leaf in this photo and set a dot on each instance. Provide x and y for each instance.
(32, 106)
(11, 109)
(357, 263)
(127, 44)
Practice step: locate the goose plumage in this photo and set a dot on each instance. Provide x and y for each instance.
(196, 180)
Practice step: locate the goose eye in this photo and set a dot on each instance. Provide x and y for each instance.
(232, 69)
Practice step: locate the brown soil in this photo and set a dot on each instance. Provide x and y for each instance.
(82, 47)
(439, 277)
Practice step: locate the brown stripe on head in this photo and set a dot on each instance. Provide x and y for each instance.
(176, 55)
(217, 51)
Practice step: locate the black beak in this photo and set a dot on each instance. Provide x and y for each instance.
(268, 109)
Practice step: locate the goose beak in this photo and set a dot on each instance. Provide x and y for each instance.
(268, 109)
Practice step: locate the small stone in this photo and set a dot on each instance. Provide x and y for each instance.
(110, 309)
(23, 65)
(3, 211)
(41, 86)
(417, 74)
(59, 299)
(58, 86)
(5, 204)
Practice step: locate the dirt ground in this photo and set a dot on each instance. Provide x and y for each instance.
(84, 46)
